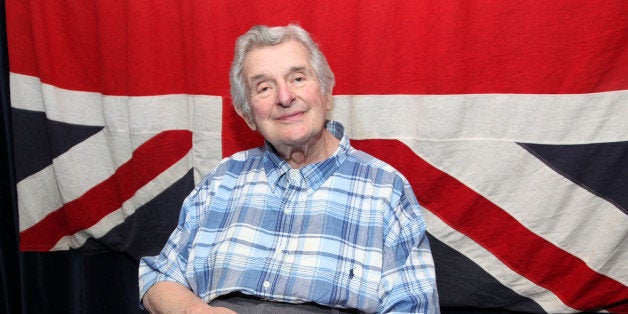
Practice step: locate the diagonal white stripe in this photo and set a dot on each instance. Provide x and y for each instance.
(70, 176)
(141, 197)
(38, 195)
(520, 284)
(129, 122)
(544, 201)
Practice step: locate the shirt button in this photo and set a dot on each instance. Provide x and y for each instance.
(266, 284)
(295, 175)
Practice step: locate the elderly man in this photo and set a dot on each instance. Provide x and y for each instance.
(306, 222)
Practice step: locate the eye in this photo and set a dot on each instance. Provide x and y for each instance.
(263, 89)
(298, 78)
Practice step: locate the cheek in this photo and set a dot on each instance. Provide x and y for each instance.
(260, 110)
(325, 102)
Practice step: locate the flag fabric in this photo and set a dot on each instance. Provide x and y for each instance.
(509, 119)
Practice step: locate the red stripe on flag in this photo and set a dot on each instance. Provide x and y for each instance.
(577, 285)
(619, 308)
(148, 161)
(378, 47)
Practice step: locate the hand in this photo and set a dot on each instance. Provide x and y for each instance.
(172, 297)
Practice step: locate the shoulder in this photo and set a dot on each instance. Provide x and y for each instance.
(238, 162)
(219, 183)
(232, 167)
(366, 158)
(364, 163)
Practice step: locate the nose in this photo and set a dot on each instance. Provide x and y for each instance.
(285, 96)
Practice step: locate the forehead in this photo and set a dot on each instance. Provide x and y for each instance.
(275, 59)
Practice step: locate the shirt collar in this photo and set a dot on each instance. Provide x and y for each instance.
(314, 174)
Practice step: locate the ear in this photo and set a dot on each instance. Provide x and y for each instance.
(329, 101)
(247, 118)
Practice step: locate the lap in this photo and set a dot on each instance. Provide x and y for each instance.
(243, 304)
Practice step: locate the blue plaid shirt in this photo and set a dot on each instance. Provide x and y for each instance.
(346, 232)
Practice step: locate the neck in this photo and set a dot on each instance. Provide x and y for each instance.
(298, 156)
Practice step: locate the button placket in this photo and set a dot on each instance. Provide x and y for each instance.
(294, 181)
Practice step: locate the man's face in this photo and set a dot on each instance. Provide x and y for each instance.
(287, 107)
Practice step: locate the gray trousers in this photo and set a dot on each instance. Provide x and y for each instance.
(244, 304)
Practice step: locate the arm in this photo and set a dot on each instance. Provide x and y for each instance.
(409, 280)
(171, 297)
(164, 285)
(411, 286)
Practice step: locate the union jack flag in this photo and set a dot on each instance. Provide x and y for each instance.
(509, 119)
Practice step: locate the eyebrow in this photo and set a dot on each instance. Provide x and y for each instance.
(256, 78)
(301, 68)
(261, 76)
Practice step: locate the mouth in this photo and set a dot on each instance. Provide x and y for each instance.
(291, 116)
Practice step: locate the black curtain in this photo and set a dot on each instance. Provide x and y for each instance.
(52, 282)
(9, 258)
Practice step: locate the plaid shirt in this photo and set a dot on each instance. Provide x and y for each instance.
(346, 232)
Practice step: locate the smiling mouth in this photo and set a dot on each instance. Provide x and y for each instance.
(291, 116)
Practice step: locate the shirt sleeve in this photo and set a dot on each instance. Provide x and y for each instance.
(408, 279)
(170, 264)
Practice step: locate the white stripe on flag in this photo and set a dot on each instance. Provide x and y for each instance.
(551, 119)
(40, 197)
(135, 115)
